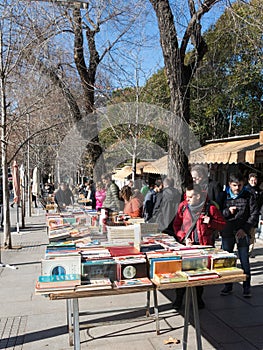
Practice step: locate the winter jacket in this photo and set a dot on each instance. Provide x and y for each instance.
(112, 200)
(148, 205)
(205, 231)
(133, 207)
(246, 216)
(100, 197)
(165, 208)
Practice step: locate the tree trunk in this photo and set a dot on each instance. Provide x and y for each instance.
(6, 212)
(179, 76)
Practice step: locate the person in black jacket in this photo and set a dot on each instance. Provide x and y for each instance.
(253, 187)
(240, 211)
(165, 207)
(63, 196)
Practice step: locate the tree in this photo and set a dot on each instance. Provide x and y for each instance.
(180, 69)
(92, 32)
(227, 88)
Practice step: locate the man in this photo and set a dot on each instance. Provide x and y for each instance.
(253, 187)
(112, 200)
(150, 200)
(167, 201)
(63, 196)
(240, 210)
(196, 220)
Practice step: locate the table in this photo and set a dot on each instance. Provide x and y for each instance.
(72, 297)
(191, 295)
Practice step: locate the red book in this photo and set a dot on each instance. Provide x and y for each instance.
(124, 251)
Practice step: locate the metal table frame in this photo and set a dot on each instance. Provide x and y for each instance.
(73, 304)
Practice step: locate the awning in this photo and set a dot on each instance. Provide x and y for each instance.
(126, 171)
(160, 166)
(122, 173)
(232, 151)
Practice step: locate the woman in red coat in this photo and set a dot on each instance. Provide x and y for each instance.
(196, 222)
(197, 214)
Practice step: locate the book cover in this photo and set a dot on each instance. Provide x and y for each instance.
(59, 278)
(94, 284)
(99, 269)
(228, 271)
(174, 277)
(221, 261)
(131, 269)
(200, 274)
(42, 289)
(194, 262)
(61, 266)
(132, 283)
(164, 265)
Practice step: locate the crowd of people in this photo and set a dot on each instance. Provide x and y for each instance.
(196, 217)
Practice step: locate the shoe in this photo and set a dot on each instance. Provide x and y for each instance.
(201, 304)
(247, 293)
(12, 205)
(226, 291)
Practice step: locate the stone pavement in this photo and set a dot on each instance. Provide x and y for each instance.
(33, 322)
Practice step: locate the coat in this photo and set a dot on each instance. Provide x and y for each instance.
(133, 207)
(165, 208)
(100, 197)
(112, 200)
(246, 216)
(205, 231)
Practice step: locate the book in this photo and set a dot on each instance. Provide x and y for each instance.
(218, 261)
(201, 274)
(194, 262)
(64, 265)
(132, 283)
(95, 284)
(99, 269)
(59, 278)
(228, 271)
(171, 277)
(166, 264)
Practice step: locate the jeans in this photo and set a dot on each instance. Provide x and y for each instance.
(228, 244)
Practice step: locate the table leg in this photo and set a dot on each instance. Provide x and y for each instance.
(70, 321)
(148, 303)
(196, 318)
(186, 317)
(156, 311)
(76, 324)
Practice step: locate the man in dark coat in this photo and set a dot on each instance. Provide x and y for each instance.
(240, 211)
(165, 207)
(63, 196)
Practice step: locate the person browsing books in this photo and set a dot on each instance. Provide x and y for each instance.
(195, 223)
(63, 196)
(239, 208)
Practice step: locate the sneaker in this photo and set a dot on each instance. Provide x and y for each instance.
(226, 291)
(247, 293)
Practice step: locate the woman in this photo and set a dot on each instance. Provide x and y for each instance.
(132, 202)
(100, 195)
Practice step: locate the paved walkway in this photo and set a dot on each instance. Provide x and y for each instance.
(33, 322)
